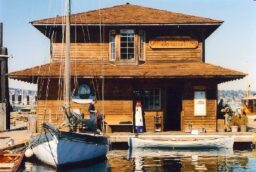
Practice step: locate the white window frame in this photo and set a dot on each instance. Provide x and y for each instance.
(142, 45)
(112, 45)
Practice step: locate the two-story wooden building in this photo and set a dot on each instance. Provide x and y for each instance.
(129, 52)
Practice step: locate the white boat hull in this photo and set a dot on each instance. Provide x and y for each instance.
(226, 142)
(59, 151)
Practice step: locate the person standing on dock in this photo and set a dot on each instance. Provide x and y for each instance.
(93, 115)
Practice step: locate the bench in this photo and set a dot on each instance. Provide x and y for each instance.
(119, 127)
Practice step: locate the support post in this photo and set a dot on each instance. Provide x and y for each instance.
(4, 86)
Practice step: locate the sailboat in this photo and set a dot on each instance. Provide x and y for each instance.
(58, 148)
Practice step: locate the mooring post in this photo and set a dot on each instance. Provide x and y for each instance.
(4, 86)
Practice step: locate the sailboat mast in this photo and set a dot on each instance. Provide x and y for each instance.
(67, 77)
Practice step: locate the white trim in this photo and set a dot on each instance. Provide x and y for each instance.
(142, 33)
(112, 33)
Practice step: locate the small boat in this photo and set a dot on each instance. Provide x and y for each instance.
(11, 159)
(58, 148)
(249, 107)
(216, 143)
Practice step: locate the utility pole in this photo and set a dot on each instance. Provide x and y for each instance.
(4, 86)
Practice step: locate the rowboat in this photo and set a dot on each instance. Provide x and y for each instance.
(11, 159)
(216, 143)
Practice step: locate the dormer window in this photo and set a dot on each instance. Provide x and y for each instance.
(127, 44)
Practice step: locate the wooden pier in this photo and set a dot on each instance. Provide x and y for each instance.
(11, 138)
(122, 137)
(239, 136)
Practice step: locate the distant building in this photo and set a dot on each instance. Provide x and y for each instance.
(22, 97)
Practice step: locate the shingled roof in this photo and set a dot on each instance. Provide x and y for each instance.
(161, 70)
(129, 14)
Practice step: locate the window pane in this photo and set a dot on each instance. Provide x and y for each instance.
(130, 45)
(123, 45)
(127, 44)
(150, 98)
(123, 56)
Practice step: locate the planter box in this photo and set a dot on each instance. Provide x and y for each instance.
(243, 128)
(234, 129)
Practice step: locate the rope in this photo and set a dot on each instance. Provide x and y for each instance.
(50, 147)
(102, 67)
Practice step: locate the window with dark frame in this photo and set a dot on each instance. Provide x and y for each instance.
(151, 98)
(126, 44)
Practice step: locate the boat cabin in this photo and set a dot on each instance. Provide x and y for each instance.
(249, 105)
(129, 53)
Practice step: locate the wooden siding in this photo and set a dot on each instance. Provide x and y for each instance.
(150, 120)
(86, 52)
(115, 111)
(183, 54)
(97, 52)
(116, 107)
(118, 102)
(207, 122)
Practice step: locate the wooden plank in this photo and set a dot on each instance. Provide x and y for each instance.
(7, 165)
(173, 42)
(12, 154)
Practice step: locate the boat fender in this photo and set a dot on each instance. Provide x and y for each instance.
(29, 153)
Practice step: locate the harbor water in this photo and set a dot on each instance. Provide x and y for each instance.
(153, 160)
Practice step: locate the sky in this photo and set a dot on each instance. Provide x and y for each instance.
(232, 45)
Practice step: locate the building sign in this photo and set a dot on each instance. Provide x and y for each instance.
(173, 42)
(200, 103)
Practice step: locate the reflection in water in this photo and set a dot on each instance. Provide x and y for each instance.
(37, 166)
(152, 160)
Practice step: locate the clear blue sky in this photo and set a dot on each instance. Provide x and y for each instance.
(233, 45)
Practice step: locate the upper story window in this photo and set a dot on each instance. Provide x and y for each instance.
(127, 44)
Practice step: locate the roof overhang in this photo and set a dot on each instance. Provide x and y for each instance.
(193, 70)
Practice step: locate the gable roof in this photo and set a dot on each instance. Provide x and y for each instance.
(129, 14)
(147, 70)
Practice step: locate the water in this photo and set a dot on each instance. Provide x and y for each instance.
(161, 161)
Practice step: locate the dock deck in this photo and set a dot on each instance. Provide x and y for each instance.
(239, 136)
(10, 138)
(117, 137)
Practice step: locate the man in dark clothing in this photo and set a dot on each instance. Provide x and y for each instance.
(220, 114)
(93, 115)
